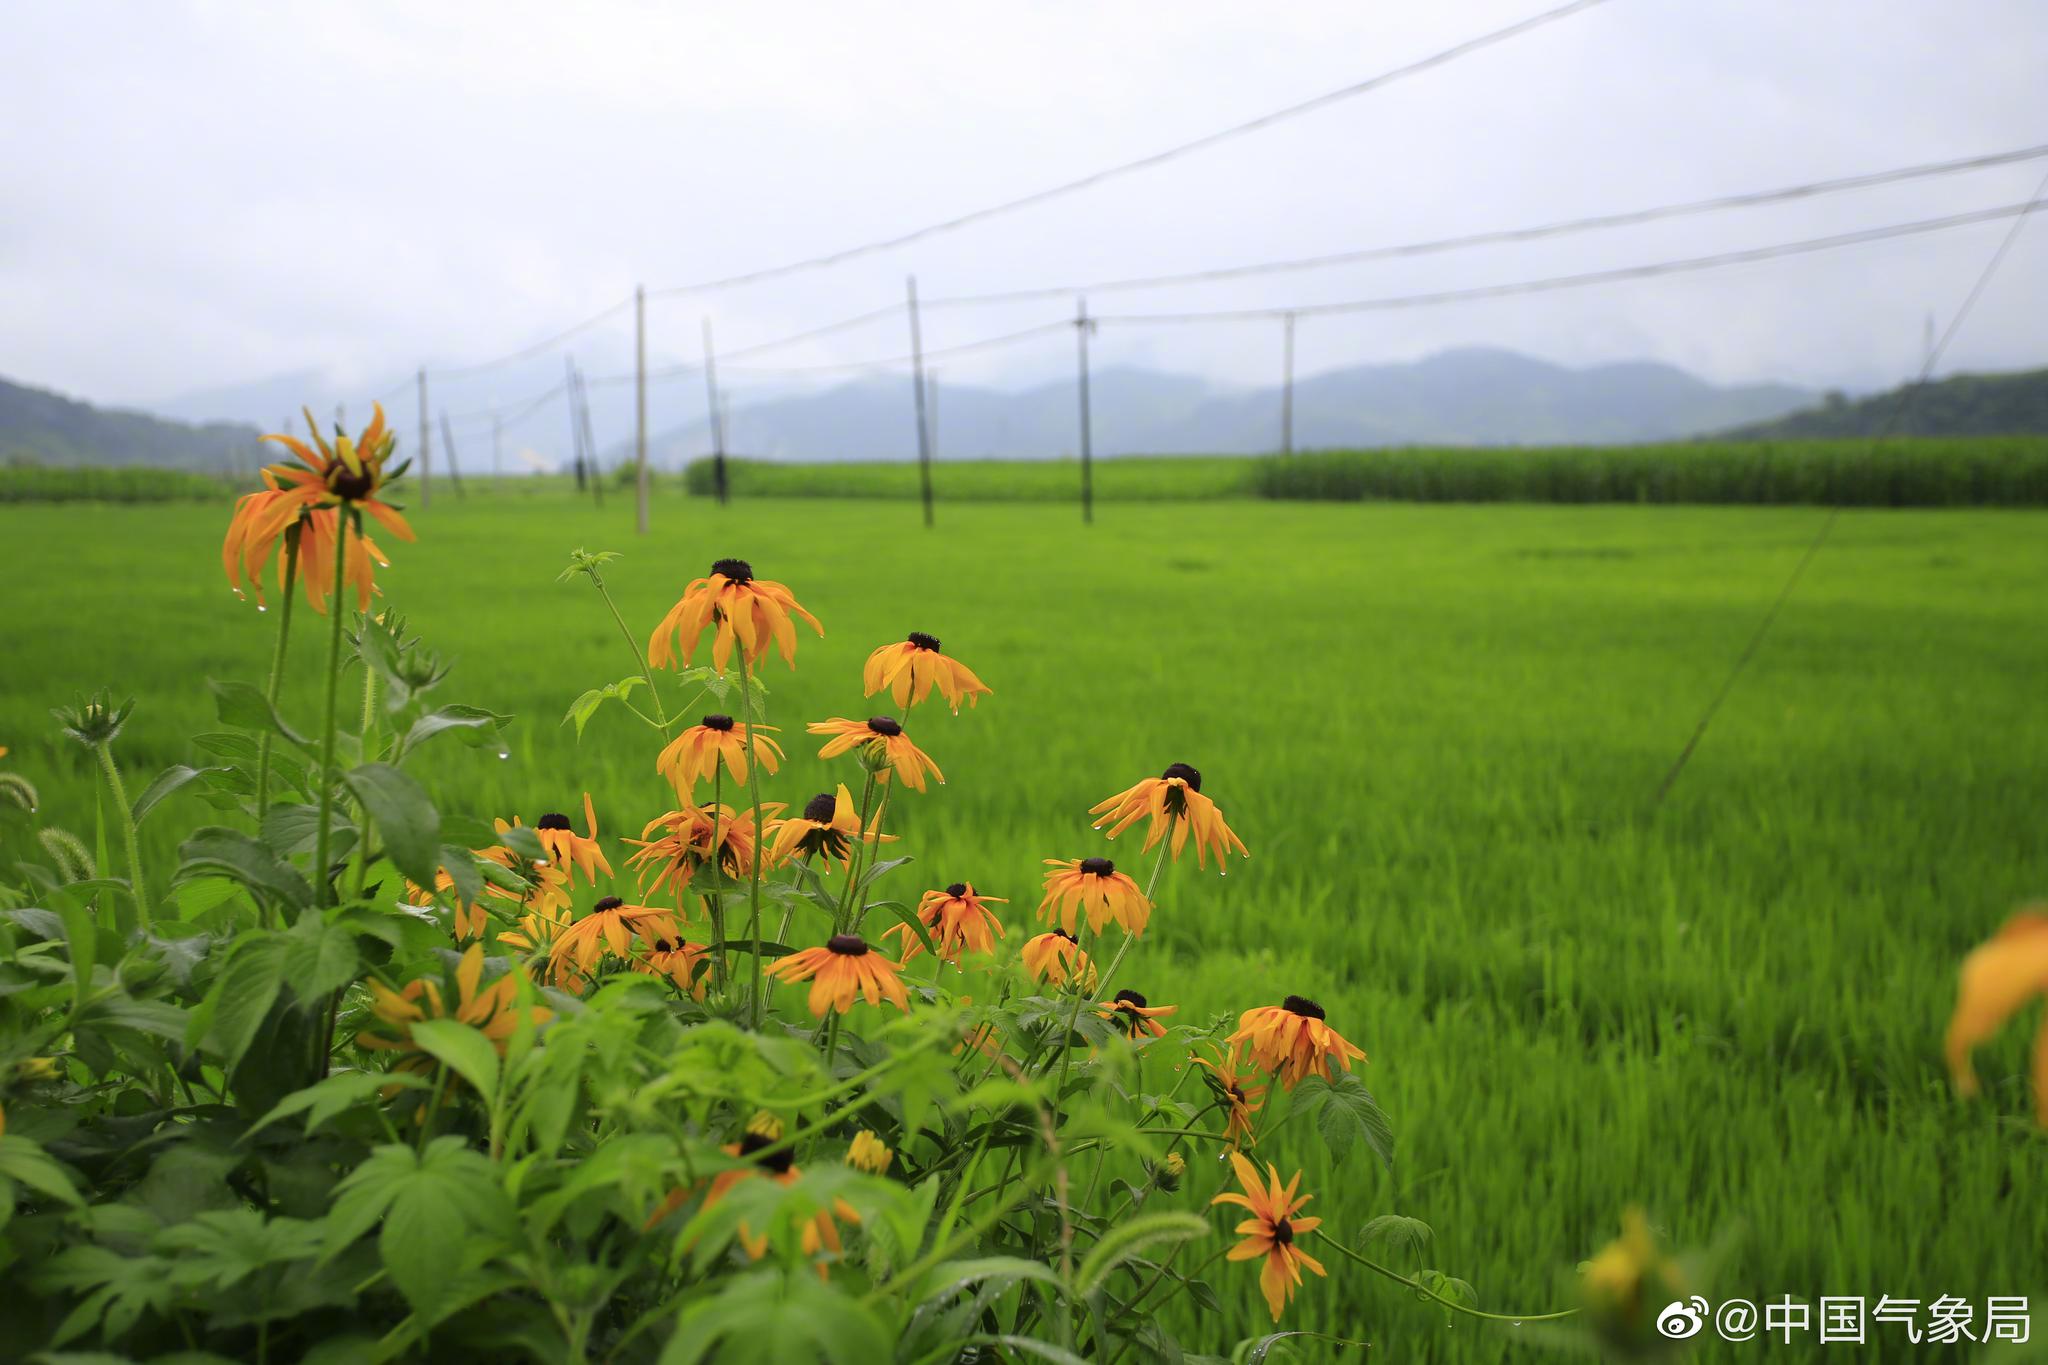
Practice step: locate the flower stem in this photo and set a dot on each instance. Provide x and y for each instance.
(284, 631)
(714, 903)
(1429, 1293)
(640, 655)
(1102, 982)
(369, 734)
(754, 872)
(323, 890)
(119, 791)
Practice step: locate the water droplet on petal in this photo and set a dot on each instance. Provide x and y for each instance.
(261, 607)
(504, 753)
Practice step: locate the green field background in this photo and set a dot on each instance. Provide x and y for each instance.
(1437, 727)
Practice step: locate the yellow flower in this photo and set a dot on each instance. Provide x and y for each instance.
(1291, 1039)
(1130, 1012)
(958, 920)
(679, 960)
(347, 474)
(827, 827)
(843, 968)
(694, 755)
(1055, 959)
(1997, 978)
(753, 611)
(869, 1153)
(1175, 803)
(692, 837)
(1092, 886)
(1626, 1285)
(881, 739)
(492, 1010)
(611, 925)
(910, 670)
(568, 850)
(1272, 1230)
(1232, 1084)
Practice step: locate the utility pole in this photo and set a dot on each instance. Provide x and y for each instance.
(582, 402)
(1287, 386)
(448, 443)
(640, 399)
(575, 431)
(1081, 329)
(716, 411)
(924, 435)
(426, 442)
(931, 410)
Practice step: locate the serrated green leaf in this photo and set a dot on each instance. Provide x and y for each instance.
(240, 703)
(1126, 1240)
(406, 820)
(463, 1049)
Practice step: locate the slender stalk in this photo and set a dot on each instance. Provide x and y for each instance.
(1427, 1292)
(853, 857)
(754, 872)
(368, 732)
(1102, 982)
(284, 631)
(714, 903)
(137, 886)
(323, 890)
(639, 654)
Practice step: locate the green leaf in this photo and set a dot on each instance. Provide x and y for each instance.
(1394, 1234)
(523, 842)
(586, 706)
(472, 724)
(1449, 1287)
(335, 1095)
(26, 1163)
(244, 705)
(422, 1242)
(406, 819)
(1345, 1112)
(214, 849)
(318, 958)
(241, 998)
(772, 1316)
(909, 917)
(1126, 1240)
(167, 781)
(463, 1049)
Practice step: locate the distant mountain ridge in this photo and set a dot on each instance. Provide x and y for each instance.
(2013, 404)
(41, 427)
(1463, 397)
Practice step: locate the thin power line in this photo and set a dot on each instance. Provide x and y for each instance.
(1632, 272)
(1627, 218)
(537, 348)
(1449, 54)
(1827, 525)
(963, 348)
(512, 412)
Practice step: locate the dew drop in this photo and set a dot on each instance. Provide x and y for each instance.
(261, 607)
(504, 753)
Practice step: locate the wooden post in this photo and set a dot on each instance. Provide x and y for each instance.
(924, 435)
(426, 443)
(1287, 387)
(931, 411)
(582, 396)
(1081, 329)
(448, 440)
(717, 415)
(640, 400)
(575, 430)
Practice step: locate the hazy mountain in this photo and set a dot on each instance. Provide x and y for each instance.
(1963, 405)
(1464, 397)
(48, 428)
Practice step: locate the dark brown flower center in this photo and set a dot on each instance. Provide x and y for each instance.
(819, 808)
(1186, 772)
(924, 641)
(344, 482)
(777, 1161)
(735, 570)
(1130, 998)
(1303, 1006)
(1061, 933)
(1097, 867)
(1237, 1093)
(957, 890)
(607, 903)
(884, 725)
(554, 819)
(847, 945)
(1283, 1233)
(719, 723)
(661, 945)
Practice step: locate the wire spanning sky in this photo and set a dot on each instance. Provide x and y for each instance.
(202, 195)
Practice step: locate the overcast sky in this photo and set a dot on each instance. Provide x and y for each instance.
(204, 194)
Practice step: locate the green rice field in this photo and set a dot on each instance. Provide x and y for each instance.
(1438, 728)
